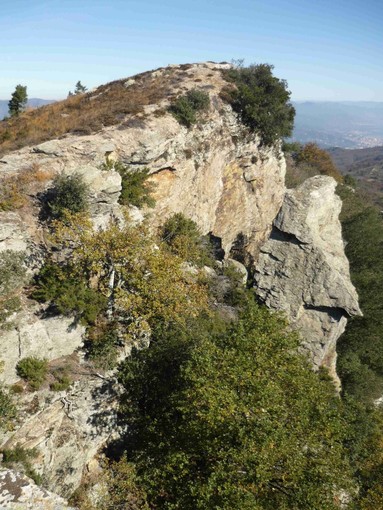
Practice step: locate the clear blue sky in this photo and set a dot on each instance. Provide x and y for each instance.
(325, 49)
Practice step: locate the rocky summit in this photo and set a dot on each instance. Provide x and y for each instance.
(216, 173)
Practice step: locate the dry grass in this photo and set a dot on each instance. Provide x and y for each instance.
(87, 113)
(15, 189)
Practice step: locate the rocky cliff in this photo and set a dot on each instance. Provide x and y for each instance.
(219, 175)
(302, 269)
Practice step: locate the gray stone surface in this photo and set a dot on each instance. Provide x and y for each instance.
(68, 430)
(13, 235)
(33, 336)
(18, 492)
(303, 271)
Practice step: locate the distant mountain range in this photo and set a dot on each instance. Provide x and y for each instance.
(32, 103)
(339, 124)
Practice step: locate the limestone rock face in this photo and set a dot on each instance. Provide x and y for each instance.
(68, 430)
(18, 492)
(213, 172)
(303, 271)
(34, 336)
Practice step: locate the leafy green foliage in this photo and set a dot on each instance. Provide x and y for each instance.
(102, 345)
(305, 161)
(319, 159)
(18, 101)
(233, 418)
(184, 238)
(186, 108)
(69, 193)
(360, 361)
(117, 279)
(123, 490)
(135, 188)
(261, 100)
(33, 370)
(68, 292)
(21, 457)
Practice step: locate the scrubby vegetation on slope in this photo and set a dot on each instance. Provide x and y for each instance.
(361, 361)
(186, 108)
(261, 100)
(230, 416)
(304, 161)
(88, 113)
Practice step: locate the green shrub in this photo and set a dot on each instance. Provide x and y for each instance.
(33, 370)
(233, 419)
(184, 238)
(7, 409)
(69, 193)
(185, 108)
(70, 295)
(22, 456)
(102, 346)
(261, 100)
(135, 188)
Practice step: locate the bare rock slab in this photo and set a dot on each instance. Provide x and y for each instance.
(303, 270)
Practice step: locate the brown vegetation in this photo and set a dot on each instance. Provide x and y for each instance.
(87, 113)
(309, 160)
(15, 188)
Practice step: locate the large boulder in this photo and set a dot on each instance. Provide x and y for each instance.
(302, 270)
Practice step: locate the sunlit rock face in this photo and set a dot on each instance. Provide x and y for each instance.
(302, 269)
(18, 492)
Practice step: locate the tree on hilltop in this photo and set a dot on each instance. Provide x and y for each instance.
(19, 100)
(79, 89)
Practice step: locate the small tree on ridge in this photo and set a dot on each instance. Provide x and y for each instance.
(18, 101)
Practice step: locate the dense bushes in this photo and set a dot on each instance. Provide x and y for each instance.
(33, 370)
(304, 161)
(184, 238)
(186, 108)
(229, 416)
(68, 293)
(135, 188)
(68, 193)
(360, 361)
(261, 100)
(117, 284)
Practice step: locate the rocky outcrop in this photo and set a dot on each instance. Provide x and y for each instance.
(18, 492)
(215, 172)
(303, 271)
(68, 429)
(32, 335)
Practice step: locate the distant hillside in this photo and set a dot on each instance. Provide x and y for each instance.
(339, 124)
(364, 164)
(32, 103)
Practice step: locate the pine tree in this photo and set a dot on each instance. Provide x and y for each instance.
(18, 101)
